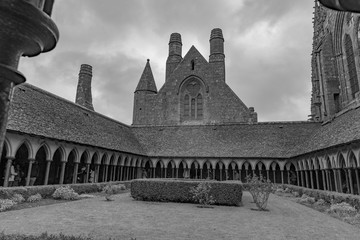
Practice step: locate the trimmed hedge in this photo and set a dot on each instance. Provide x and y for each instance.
(47, 190)
(165, 190)
(330, 197)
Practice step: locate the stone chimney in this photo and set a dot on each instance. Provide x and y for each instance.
(217, 56)
(83, 93)
(175, 51)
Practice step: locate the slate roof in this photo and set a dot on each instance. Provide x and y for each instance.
(147, 82)
(341, 130)
(261, 140)
(35, 111)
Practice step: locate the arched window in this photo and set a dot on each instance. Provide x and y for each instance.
(186, 106)
(192, 101)
(350, 59)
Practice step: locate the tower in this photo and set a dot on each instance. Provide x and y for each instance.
(217, 56)
(144, 90)
(174, 58)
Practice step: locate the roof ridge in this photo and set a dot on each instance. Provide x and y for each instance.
(42, 91)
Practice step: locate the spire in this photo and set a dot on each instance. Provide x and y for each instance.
(147, 82)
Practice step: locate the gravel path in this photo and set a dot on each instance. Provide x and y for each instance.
(125, 218)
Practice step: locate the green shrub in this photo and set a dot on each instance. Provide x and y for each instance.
(260, 189)
(201, 193)
(65, 193)
(34, 198)
(6, 204)
(224, 193)
(110, 190)
(342, 210)
(18, 198)
(328, 196)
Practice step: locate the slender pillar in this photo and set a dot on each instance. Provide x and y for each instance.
(220, 174)
(118, 169)
(336, 180)
(282, 177)
(246, 174)
(239, 176)
(177, 172)
(62, 173)
(172, 172)
(357, 180)
(127, 173)
(297, 178)
(340, 181)
(323, 179)
(165, 172)
(307, 180)
(347, 180)
(329, 185)
(7, 171)
(96, 174)
(106, 173)
(317, 179)
(47, 171)
(311, 179)
(31, 161)
(350, 181)
(134, 169)
(288, 177)
(274, 176)
(302, 178)
(201, 173)
(88, 173)
(154, 172)
(226, 174)
(76, 167)
(121, 173)
(267, 174)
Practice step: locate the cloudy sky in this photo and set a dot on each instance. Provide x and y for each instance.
(267, 49)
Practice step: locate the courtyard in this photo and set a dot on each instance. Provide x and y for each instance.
(125, 218)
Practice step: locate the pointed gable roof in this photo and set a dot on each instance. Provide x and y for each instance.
(147, 82)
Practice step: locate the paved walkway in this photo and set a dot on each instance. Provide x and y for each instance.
(125, 218)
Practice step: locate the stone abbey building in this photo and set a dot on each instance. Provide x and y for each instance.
(195, 126)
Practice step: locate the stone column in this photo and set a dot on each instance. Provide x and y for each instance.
(288, 177)
(335, 176)
(7, 171)
(297, 178)
(346, 180)
(154, 172)
(323, 179)
(121, 173)
(97, 170)
(165, 172)
(307, 178)
(106, 173)
(246, 173)
(357, 180)
(127, 173)
(133, 174)
(76, 167)
(340, 181)
(311, 179)
(226, 174)
(329, 185)
(267, 175)
(201, 173)
(351, 182)
(88, 173)
(47, 171)
(302, 178)
(282, 177)
(317, 179)
(177, 172)
(62, 173)
(220, 176)
(274, 176)
(31, 161)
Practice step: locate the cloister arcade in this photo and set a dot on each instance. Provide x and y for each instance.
(45, 161)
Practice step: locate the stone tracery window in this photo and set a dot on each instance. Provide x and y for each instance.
(192, 102)
(350, 59)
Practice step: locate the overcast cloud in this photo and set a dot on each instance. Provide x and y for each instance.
(267, 49)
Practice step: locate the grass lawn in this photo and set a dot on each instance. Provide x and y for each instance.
(125, 218)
